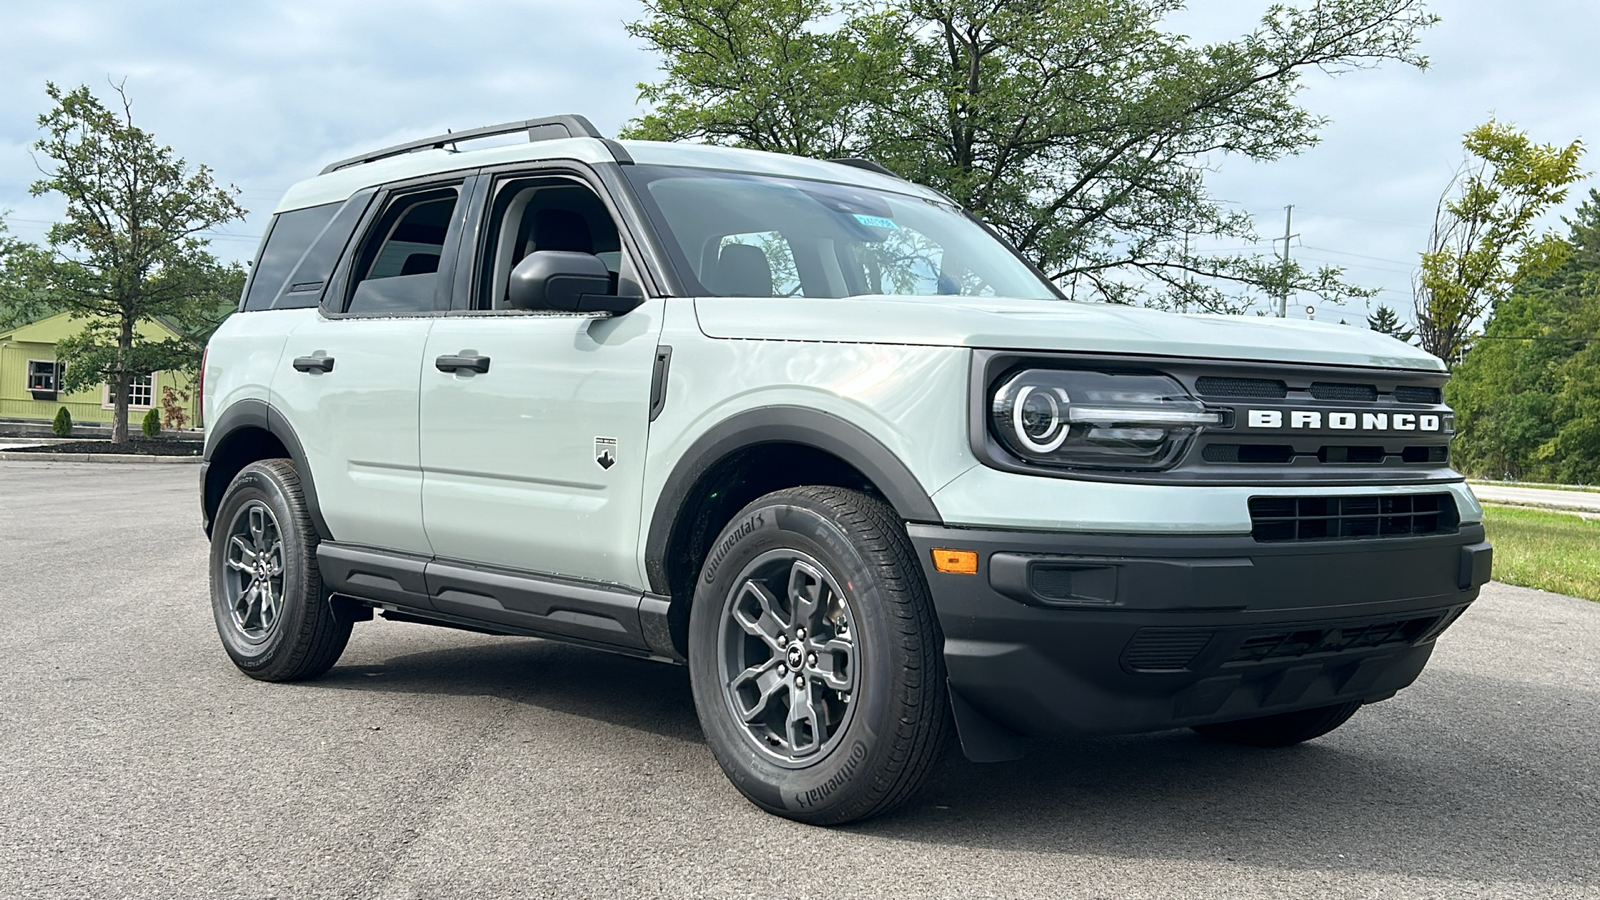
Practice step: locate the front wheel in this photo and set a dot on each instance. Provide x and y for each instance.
(1282, 730)
(815, 657)
(266, 592)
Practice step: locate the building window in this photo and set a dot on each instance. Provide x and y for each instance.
(141, 393)
(44, 375)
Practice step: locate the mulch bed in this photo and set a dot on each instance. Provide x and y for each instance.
(138, 447)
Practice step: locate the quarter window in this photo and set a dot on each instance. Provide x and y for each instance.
(288, 238)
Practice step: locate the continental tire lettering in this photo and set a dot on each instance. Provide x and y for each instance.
(858, 754)
(720, 552)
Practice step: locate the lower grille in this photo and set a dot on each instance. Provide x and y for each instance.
(1164, 649)
(1275, 519)
(1303, 642)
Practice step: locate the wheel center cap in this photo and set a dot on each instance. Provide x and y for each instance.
(796, 656)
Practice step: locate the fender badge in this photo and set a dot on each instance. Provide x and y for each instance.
(605, 452)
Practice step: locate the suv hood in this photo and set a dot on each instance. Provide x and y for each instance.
(1058, 325)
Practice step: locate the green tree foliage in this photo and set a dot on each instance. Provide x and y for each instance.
(1484, 234)
(1384, 321)
(21, 300)
(1079, 128)
(151, 426)
(130, 247)
(1527, 395)
(62, 426)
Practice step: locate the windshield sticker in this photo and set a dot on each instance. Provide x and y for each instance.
(877, 222)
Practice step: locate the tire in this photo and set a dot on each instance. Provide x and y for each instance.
(1282, 730)
(859, 731)
(263, 536)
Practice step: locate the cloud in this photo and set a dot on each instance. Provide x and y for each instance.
(267, 93)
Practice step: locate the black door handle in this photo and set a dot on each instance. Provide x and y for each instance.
(313, 363)
(463, 360)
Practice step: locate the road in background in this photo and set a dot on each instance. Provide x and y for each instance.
(135, 761)
(1575, 501)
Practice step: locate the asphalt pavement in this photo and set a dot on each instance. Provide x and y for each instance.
(135, 761)
(1575, 501)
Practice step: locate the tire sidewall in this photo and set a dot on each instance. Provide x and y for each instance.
(843, 778)
(258, 482)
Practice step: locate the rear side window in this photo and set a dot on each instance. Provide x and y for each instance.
(289, 236)
(396, 270)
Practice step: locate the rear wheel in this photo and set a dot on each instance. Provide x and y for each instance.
(816, 659)
(266, 592)
(1282, 730)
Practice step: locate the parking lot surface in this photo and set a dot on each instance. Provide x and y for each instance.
(135, 761)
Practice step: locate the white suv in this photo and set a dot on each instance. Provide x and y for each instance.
(823, 437)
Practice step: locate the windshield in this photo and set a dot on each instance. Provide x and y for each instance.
(740, 235)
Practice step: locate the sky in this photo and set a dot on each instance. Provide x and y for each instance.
(267, 93)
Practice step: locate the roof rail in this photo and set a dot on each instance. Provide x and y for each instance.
(548, 128)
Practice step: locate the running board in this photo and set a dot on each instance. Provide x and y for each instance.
(500, 601)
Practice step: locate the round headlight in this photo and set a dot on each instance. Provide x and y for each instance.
(1037, 417)
(1073, 418)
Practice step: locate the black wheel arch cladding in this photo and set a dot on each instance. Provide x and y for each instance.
(785, 425)
(241, 437)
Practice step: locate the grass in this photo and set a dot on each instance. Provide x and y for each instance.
(1552, 551)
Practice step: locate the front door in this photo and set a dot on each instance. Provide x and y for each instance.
(536, 462)
(348, 379)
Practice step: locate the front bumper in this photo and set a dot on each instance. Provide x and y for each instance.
(1078, 633)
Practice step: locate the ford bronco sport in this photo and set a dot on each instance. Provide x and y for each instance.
(823, 437)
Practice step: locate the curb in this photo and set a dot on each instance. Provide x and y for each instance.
(133, 458)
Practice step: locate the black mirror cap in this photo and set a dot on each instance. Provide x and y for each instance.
(565, 281)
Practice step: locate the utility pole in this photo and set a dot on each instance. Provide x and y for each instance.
(1283, 294)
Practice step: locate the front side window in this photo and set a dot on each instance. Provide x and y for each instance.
(550, 213)
(737, 234)
(395, 271)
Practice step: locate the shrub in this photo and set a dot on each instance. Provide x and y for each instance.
(152, 423)
(62, 426)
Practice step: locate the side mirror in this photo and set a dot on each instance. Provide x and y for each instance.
(565, 281)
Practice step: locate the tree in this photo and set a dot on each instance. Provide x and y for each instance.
(1079, 128)
(130, 247)
(21, 301)
(1484, 234)
(1526, 398)
(1384, 321)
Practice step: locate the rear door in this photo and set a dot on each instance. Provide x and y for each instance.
(536, 462)
(348, 379)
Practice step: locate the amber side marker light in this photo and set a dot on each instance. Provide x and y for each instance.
(956, 562)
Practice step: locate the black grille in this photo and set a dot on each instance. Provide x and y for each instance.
(1351, 454)
(1213, 386)
(1164, 649)
(1331, 639)
(1323, 390)
(1414, 394)
(1351, 518)
(1433, 454)
(1247, 453)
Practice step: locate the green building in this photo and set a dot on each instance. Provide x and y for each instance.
(30, 378)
